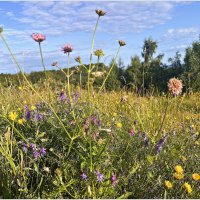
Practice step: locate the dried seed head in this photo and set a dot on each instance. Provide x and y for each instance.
(54, 63)
(99, 53)
(121, 43)
(78, 59)
(100, 12)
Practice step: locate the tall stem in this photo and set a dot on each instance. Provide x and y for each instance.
(143, 80)
(68, 77)
(110, 70)
(42, 58)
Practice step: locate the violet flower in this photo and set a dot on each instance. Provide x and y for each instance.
(113, 179)
(100, 176)
(160, 144)
(84, 176)
(42, 151)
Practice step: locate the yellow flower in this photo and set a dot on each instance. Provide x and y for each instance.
(178, 176)
(187, 187)
(20, 88)
(13, 116)
(20, 121)
(178, 169)
(168, 184)
(196, 177)
(119, 125)
(187, 117)
(33, 107)
(114, 114)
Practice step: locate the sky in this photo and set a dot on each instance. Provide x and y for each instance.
(173, 24)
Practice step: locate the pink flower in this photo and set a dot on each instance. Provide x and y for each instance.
(175, 86)
(38, 37)
(67, 48)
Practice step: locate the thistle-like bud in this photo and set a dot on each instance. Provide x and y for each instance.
(1, 29)
(100, 12)
(99, 53)
(54, 64)
(122, 43)
(78, 59)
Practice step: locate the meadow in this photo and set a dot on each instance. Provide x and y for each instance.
(65, 141)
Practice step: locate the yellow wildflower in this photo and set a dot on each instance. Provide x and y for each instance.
(178, 169)
(119, 125)
(20, 88)
(178, 176)
(187, 187)
(183, 158)
(33, 107)
(20, 121)
(13, 116)
(114, 114)
(196, 177)
(187, 117)
(168, 184)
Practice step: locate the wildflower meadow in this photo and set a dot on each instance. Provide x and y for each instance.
(69, 141)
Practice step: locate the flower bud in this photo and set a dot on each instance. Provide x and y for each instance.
(121, 43)
(100, 12)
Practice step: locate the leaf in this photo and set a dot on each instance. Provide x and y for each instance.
(125, 196)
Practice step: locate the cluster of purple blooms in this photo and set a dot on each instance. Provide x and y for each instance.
(100, 177)
(37, 116)
(36, 153)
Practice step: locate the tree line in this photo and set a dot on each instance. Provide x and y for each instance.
(143, 74)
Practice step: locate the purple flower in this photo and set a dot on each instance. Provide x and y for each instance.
(27, 112)
(160, 144)
(24, 147)
(43, 151)
(86, 125)
(49, 111)
(32, 146)
(100, 176)
(76, 96)
(84, 176)
(132, 132)
(36, 154)
(94, 119)
(38, 117)
(72, 123)
(99, 123)
(62, 96)
(113, 179)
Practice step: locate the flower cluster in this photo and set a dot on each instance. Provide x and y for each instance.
(175, 86)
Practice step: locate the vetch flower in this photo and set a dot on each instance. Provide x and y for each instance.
(113, 179)
(122, 43)
(160, 144)
(33, 146)
(38, 37)
(100, 12)
(62, 96)
(42, 151)
(84, 176)
(36, 154)
(67, 48)
(175, 86)
(178, 176)
(168, 185)
(24, 147)
(146, 140)
(13, 116)
(187, 188)
(100, 176)
(27, 112)
(196, 177)
(178, 169)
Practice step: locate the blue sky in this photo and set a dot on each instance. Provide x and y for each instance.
(173, 24)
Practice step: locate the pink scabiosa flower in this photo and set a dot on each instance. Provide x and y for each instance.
(38, 37)
(67, 48)
(175, 86)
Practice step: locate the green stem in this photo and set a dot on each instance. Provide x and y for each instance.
(68, 77)
(110, 70)
(29, 84)
(42, 58)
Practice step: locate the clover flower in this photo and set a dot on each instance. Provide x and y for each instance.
(38, 37)
(67, 48)
(175, 86)
(100, 12)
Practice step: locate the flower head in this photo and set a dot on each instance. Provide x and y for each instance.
(122, 43)
(132, 132)
(168, 184)
(175, 86)
(78, 59)
(160, 144)
(99, 53)
(67, 48)
(84, 176)
(43, 151)
(196, 177)
(100, 12)
(38, 37)
(55, 63)
(178, 176)
(36, 154)
(100, 176)
(119, 125)
(187, 188)
(178, 169)
(113, 179)
(13, 116)
(20, 121)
